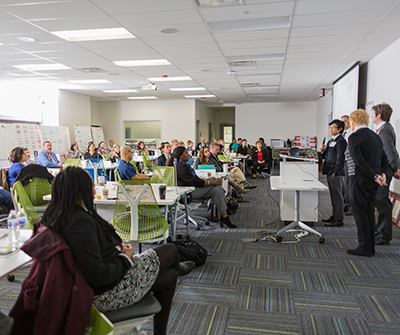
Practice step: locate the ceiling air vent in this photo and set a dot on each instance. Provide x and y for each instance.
(91, 70)
(242, 63)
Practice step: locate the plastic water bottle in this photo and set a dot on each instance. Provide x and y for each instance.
(13, 228)
(22, 220)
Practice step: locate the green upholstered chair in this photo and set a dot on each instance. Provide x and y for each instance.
(36, 189)
(163, 175)
(21, 199)
(72, 162)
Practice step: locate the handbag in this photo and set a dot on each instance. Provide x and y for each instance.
(190, 251)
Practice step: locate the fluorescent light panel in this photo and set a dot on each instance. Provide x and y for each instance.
(254, 58)
(90, 81)
(42, 67)
(148, 62)
(160, 79)
(120, 91)
(183, 89)
(199, 96)
(150, 97)
(93, 34)
(250, 24)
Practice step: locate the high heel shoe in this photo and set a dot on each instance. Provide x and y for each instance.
(227, 222)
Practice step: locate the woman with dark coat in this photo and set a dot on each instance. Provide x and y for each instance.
(259, 159)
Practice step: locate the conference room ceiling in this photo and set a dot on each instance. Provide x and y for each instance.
(239, 51)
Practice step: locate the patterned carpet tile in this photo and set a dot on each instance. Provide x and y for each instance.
(366, 285)
(379, 308)
(319, 282)
(264, 261)
(341, 305)
(256, 277)
(262, 298)
(364, 267)
(217, 274)
(383, 328)
(321, 324)
(209, 294)
(242, 322)
(266, 248)
(302, 250)
(226, 259)
(306, 264)
(225, 246)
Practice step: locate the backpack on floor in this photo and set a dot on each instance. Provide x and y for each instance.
(190, 251)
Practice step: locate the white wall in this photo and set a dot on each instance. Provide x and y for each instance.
(324, 110)
(177, 117)
(275, 120)
(383, 86)
(74, 110)
(205, 115)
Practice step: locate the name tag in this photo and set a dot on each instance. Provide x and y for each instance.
(332, 144)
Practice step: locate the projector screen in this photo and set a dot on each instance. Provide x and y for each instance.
(345, 93)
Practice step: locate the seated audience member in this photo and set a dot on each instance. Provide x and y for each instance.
(242, 150)
(110, 146)
(18, 158)
(91, 152)
(237, 144)
(264, 146)
(204, 189)
(202, 143)
(181, 143)
(115, 154)
(118, 277)
(125, 169)
(231, 145)
(223, 150)
(141, 147)
(102, 150)
(174, 145)
(204, 155)
(166, 153)
(47, 158)
(5, 199)
(74, 152)
(190, 146)
(28, 157)
(259, 159)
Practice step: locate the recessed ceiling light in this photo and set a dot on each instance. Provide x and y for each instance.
(187, 89)
(26, 39)
(42, 67)
(199, 96)
(150, 97)
(93, 34)
(158, 79)
(254, 58)
(258, 75)
(90, 81)
(250, 24)
(145, 62)
(169, 31)
(215, 3)
(205, 70)
(120, 91)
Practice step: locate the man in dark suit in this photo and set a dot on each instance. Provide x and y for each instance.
(201, 144)
(370, 160)
(380, 117)
(333, 168)
(166, 149)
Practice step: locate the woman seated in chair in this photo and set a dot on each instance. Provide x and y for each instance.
(91, 152)
(205, 189)
(115, 153)
(18, 157)
(102, 148)
(73, 151)
(204, 155)
(119, 278)
(259, 159)
(140, 148)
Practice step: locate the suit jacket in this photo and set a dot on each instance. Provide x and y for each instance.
(254, 155)
(388, 137)
(366, 149)
(215, 161)
(333, 156)
(161, 160)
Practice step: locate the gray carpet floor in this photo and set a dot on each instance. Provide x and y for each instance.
(265, 287)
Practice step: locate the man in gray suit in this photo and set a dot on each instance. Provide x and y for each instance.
(380, 117)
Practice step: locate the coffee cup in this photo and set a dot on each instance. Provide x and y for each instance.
(105, 192)
(163, 191)
(101, 180)
(209, 174)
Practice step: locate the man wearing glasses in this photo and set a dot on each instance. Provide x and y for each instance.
(333, 168)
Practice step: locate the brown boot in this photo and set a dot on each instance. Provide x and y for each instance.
(238, 187)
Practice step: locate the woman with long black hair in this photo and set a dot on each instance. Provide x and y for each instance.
(118, 277)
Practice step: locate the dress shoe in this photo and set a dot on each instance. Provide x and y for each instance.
(226, 221)
(248, 185)
(185, 267)
(334, 224)
(331, 219)
(348, 212)
(242, 199)
(346, 208)
(380, 241)
(359, 252)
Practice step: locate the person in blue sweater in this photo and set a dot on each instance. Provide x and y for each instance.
(18, 158)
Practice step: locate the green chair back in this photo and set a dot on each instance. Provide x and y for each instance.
(151, 223)
(224, 158)
(21, 199)
(134, 164)
(117, 176)
(36, 189)
(72, 162)
(147, 163)
(105, 156)
(163, 175)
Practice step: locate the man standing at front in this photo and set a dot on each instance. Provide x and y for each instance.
(333, 155)
(47, 158)
(380, 117)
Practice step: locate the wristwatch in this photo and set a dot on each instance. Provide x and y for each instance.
(376, 176)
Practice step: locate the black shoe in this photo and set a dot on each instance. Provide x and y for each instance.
(380, 241)
(227, 222)
(334, 224)
(348, 212)
(359, 252)
(185, 267)
(331, 219)
(346, 208)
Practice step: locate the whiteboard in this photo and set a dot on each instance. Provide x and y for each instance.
(83, 136)
(59, 138)
(97, 135)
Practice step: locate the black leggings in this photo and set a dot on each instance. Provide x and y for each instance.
(164, 286)
(258, 167)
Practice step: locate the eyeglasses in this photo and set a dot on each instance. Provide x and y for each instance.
(332, 127)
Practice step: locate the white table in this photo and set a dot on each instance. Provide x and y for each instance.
(241, 158)
(297, 185)
(16, 259)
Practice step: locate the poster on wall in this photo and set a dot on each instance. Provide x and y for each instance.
(59, 138)
(83, 136)
(98, 135)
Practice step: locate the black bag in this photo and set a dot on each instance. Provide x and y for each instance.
(191, 251)
(233, 205)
